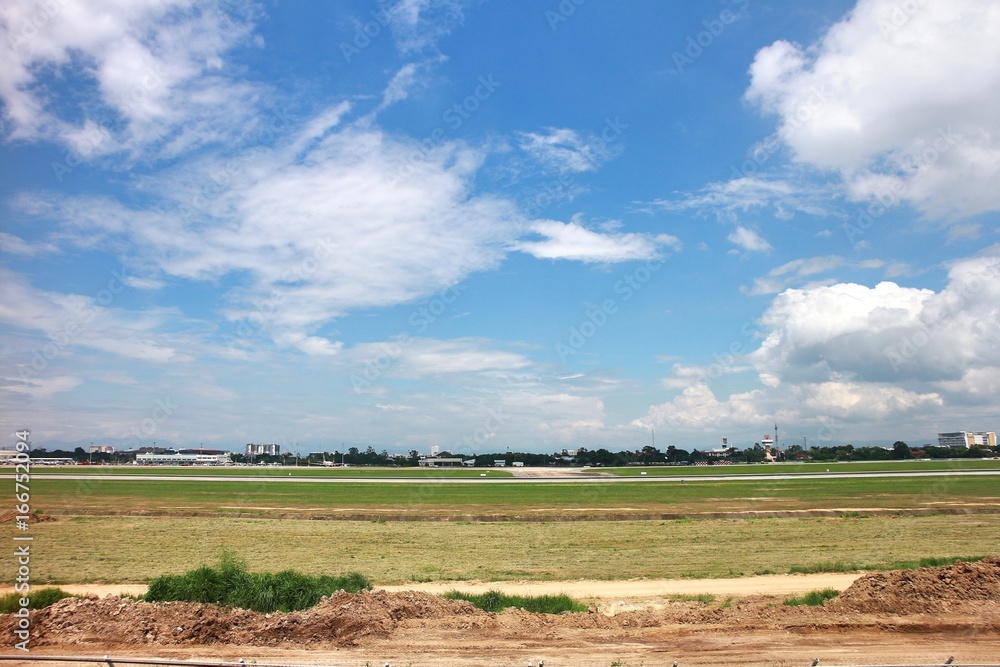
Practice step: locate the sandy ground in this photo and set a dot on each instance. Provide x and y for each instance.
(587, 590)
(646, 588)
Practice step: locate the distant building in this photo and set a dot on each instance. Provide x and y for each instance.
(102, 449)
(182, 459)
(440, 462)
(968, 439)
(254, 449)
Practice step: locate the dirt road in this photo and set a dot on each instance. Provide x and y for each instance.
(778, 584)
(583, 589)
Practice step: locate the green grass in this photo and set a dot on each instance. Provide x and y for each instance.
(38, 599)
(837, 566)
(812, 599)
(472, 501)
(284, 471)
(91, 549)
(495, 601)
(231, 585)
(812, 468)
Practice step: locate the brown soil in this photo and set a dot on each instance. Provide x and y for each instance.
(926, 590)
(917, 616)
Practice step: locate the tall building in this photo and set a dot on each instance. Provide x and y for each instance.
(968, 439)
(255, 449)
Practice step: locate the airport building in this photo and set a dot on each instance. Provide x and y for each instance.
(968, 439)
(183, 459)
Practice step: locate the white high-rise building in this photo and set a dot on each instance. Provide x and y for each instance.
(968, 439)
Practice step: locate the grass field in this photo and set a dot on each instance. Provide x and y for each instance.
(269, 523)
(807, 468)
(136, 549)
(511, 501)
(289, 471)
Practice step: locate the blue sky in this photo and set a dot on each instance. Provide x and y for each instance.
(488, 225)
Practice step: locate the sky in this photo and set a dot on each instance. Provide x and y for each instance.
(482, 225)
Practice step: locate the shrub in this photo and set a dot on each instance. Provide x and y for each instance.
(812, 599)
(231, 585)
(39, 599)
(495, 601)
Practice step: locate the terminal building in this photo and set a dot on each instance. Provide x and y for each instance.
(968, 439)
(183, 459)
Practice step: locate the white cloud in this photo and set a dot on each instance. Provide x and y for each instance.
(418, 25)
(574, 242)
(565, 150)
(62, 322)
(154, 69)
(858, 402)
(851, 354)
(778, 278)
(749, 240)
(887, 333)
(428, 358)
(728, 199)
(899, 99)
(698, 409)
(15, 245)
(39, 387)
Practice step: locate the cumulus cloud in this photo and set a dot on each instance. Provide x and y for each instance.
(698, 409)
(898, 99)
(856, 354)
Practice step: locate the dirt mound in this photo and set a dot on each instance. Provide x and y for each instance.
(925, 590)
(342, 619)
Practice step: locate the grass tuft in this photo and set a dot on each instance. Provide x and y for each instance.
(812, 599)
(494, 601)
(231, 585)
(39, 599)
(838, 566)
